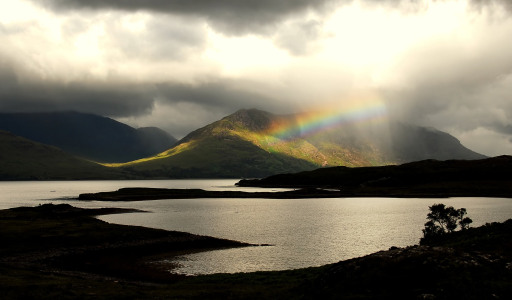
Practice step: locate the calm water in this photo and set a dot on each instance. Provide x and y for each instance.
(302, 232)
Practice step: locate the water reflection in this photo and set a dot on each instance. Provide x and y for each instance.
(303, 232)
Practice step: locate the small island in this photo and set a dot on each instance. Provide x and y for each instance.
(139, 194)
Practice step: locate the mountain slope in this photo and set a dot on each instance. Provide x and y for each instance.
(354, 145)
(22, 159)
(254, 143)
(216, 156)
(89, 136)
(413, 143)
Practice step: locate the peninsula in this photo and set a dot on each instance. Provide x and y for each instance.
(62, 252)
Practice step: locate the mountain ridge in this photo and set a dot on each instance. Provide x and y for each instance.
(245, 144)
(252, 143)
(23, 159)
(89, 136)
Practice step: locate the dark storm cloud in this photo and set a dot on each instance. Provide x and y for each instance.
(19, 93)
(218, 93)
(229, 16)
(115, 101)
(243, 16)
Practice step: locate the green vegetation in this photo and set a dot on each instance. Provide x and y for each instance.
(224, 156)
(240, 145)
(443, 220)
(22, 159)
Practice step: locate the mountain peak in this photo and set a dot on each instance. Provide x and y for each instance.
(252, 119)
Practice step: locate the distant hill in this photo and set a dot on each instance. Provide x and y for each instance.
(490, 177)
(413, 143)
(22, 159)
(251, 143)
(89, 136)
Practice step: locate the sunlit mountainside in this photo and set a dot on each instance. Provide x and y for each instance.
(255, 143)
(226, 148)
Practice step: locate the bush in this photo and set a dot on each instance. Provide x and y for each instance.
(443, 220)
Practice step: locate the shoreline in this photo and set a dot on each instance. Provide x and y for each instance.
(61, 251)
(72, 240)
(141, 194)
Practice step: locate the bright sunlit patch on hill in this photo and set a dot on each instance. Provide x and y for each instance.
(358, 110)
(173, 151)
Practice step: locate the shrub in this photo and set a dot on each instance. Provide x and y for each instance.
(442, 220)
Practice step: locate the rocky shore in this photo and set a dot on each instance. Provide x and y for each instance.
(65, 238)
(62, 252)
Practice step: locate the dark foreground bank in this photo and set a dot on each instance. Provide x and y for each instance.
(61, 252)
(62, 238)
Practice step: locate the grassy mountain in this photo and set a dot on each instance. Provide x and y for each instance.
(217, 155)
(22, 159)
(89, 136)
(254, 143)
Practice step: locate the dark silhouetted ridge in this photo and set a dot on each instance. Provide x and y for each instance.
(89, 136)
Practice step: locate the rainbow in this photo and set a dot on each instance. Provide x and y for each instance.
(329, 117)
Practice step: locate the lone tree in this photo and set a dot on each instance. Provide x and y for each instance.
(442, 220)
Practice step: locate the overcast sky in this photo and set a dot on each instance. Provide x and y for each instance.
(180, 64)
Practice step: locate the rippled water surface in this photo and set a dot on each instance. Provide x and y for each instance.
(302, 232)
